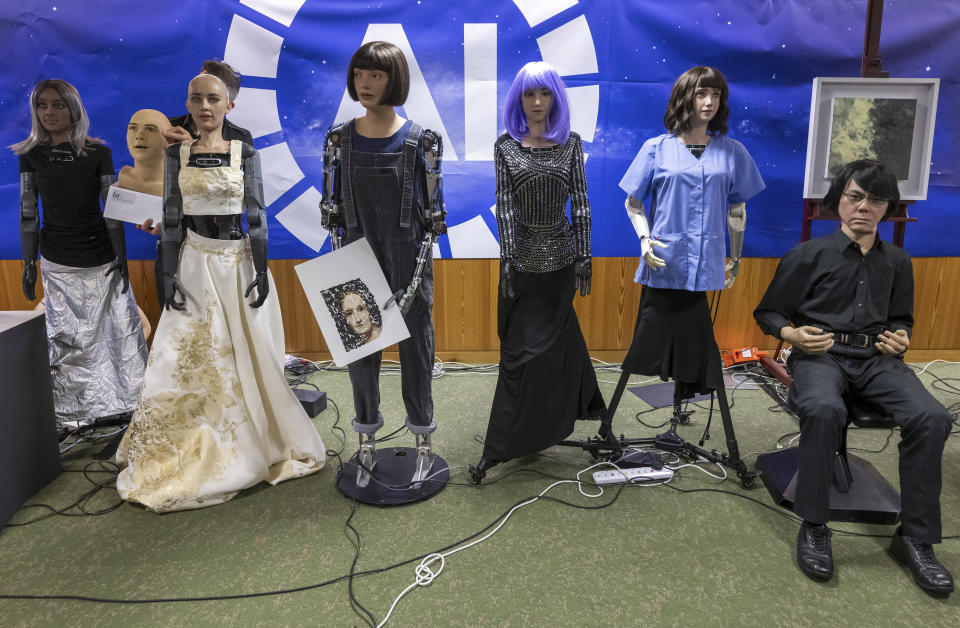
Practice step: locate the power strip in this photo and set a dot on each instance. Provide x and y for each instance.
(612, 476)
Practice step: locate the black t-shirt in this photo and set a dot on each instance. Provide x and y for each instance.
(74, 232)
(230, 131)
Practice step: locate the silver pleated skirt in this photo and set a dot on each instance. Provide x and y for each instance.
(97, 350)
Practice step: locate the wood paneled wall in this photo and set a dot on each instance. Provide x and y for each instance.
(465, 307)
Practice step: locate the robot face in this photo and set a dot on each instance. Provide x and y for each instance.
(207, 102)
(145, 134)
(370, 86)
(537, 103)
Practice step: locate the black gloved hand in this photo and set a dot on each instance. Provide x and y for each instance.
(171, 288)
(263, 289)
(29, 281)
(506, 279)
(584, 271)
(121, 267)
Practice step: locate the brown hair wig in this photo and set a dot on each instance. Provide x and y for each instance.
(680, 109)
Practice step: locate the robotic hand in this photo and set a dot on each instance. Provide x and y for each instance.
(331, 216)
(737, 225)
(647, 244)
(582, 268)
(29, 280)
(29, 233)
(256, 224)
(263, 289)
(172, 289)
(172, 232)
(506, 279)
(117, 237)
(730, 270)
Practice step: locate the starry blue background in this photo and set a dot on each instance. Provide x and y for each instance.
(125, 55)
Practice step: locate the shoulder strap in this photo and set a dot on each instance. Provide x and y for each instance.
(185, 152)
(410, 153)
(236, 154)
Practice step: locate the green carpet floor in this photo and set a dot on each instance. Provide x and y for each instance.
(646, 556)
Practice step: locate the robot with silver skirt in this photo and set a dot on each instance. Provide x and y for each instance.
(394, 200)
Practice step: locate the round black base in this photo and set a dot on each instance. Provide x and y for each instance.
(389, 484)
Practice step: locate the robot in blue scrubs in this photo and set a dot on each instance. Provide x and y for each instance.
(698, 181)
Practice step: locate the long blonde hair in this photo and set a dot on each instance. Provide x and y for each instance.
(79, 122)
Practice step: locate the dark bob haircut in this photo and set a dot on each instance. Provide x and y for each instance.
(680, 109)
(383, 56)
(872, 176)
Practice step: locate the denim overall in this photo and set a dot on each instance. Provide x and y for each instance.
(381, 202)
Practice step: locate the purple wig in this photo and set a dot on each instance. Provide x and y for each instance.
(534, 75)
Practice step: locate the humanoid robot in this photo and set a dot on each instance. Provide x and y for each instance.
(97, 348)
(697, 180)
(388, 189)
(430, 149)
(215, 415)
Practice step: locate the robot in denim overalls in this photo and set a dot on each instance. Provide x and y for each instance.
(391, 193)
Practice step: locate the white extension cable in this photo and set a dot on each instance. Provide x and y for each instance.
(427, 571)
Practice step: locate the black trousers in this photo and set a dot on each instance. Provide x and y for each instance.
(820, 382)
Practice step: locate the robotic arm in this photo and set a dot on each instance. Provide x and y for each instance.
(117, 237)
(256, 223)
(434, 213)
(647, 244)
(737, 225)
(331, 216)
(29, 232)
(172, 233)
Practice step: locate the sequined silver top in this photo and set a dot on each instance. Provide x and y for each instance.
(533, 185)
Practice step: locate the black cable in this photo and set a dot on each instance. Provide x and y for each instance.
(620, 487)
(875, 451)
(355, 604)
(80, 503)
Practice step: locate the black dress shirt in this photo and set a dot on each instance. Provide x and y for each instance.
(830, 284)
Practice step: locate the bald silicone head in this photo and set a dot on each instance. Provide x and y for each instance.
(145, 134)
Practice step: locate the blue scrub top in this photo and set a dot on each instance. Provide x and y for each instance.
(689, 201)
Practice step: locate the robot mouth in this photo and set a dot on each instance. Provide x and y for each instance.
(141, 146)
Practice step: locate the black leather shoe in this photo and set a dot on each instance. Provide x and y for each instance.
(927, 571)
(814, 554)
(478, 472)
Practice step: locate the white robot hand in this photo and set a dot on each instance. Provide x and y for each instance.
(647, 244)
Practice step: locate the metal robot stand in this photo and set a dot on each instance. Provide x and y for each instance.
(606, 446)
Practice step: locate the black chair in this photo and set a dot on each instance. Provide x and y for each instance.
(858, 492)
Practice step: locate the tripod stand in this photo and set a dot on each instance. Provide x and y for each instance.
(606, 446)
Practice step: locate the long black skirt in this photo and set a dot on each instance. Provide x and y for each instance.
(673, 338)
(546, 381)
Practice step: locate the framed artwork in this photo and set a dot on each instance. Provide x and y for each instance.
(348, 294)
(889, 120)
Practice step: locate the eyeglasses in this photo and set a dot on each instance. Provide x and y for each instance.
(875, 202)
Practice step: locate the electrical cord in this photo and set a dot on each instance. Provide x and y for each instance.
(286, 591)
(81, 502)
(420, 574)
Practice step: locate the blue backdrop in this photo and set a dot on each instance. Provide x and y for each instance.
(619, 56)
